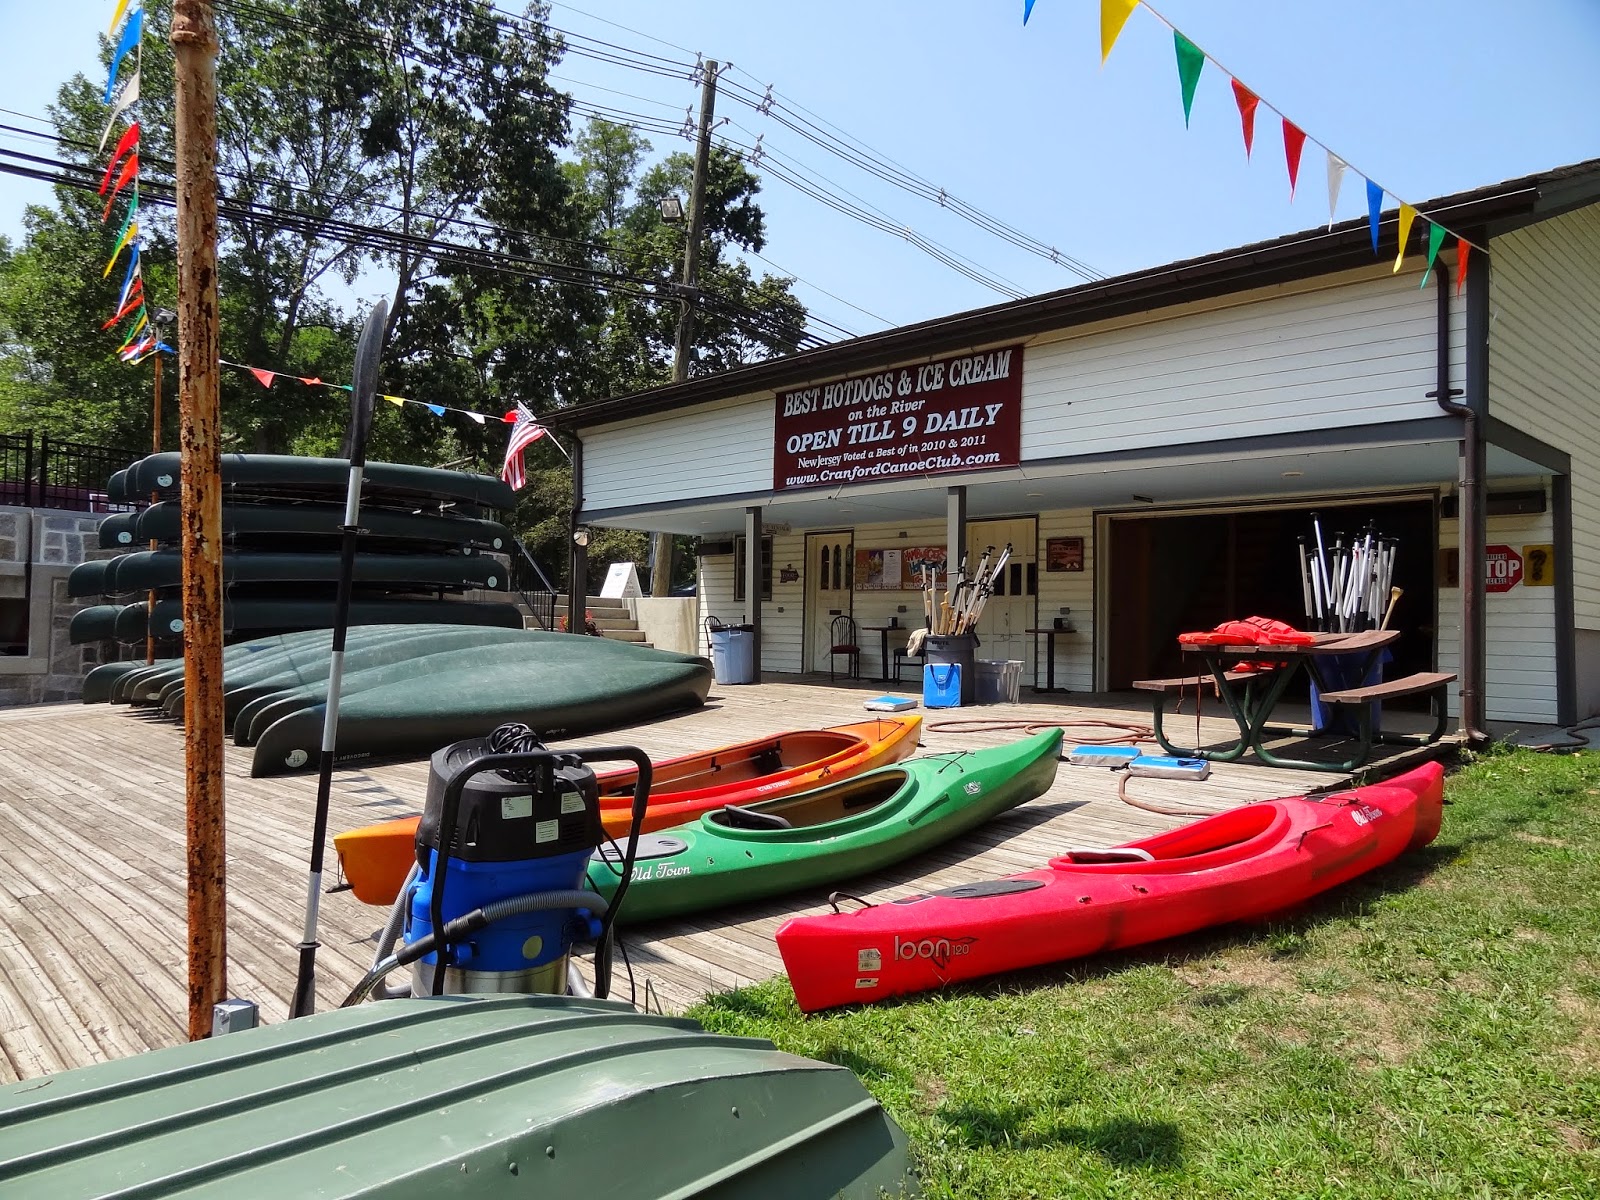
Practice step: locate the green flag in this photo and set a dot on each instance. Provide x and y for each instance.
(1435, 240)
(1191, 60)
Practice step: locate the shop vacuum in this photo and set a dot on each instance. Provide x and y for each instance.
(499, 895)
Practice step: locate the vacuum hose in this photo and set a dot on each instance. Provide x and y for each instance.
(464, 926)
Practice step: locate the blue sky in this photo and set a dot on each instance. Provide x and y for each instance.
(1427, 96)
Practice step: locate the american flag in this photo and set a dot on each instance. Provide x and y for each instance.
(525, 431)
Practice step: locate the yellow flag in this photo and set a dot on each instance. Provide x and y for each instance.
(128, 234)
(397, 401)
(116, 17)
(1114, 15)
(1407, 215)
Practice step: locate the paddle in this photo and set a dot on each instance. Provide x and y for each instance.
(364, 387)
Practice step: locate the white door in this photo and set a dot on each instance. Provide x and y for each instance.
(830, 567)
(1012, 609)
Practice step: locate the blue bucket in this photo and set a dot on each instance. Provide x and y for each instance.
(1341, 670)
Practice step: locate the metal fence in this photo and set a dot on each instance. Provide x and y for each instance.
(45, 472)
(530, 582)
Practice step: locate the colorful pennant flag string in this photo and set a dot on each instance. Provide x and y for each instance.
(1192, 59)
(122, 177)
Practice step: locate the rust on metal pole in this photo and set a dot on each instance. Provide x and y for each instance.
(155, 448)
(194, 45)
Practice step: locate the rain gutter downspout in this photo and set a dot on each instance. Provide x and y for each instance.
(578, 571)
(1469, 505)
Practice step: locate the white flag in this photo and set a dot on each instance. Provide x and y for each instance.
(1336, 169)
(129, 94)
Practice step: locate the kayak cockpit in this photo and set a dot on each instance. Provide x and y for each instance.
(848, 798)
(738, 764)
(1229, 837)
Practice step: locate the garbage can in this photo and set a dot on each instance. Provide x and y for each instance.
(954, 650)
(733, 653)
(999, 680)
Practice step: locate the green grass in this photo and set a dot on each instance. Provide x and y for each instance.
(1432, 1029)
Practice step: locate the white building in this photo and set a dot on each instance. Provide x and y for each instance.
(1153, 445)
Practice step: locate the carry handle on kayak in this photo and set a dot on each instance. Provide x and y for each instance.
(1090, 855)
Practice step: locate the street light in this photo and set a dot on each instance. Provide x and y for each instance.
(671, 209)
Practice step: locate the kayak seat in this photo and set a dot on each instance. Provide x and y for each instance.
(769, 760)
(746, 818)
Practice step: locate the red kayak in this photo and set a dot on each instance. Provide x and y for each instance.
(1244, 864)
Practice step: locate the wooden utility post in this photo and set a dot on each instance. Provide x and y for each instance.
(194, 46)
(661, 577)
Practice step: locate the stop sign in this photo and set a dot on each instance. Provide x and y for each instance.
(1502, 568)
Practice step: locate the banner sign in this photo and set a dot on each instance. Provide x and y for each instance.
(957, 414)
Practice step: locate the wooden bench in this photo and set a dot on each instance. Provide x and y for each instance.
(1435, 683)
(1166, 687)
(1191, 681)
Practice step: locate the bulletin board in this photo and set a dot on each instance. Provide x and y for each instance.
(897, 569)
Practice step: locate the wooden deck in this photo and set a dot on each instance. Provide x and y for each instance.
(92, 908)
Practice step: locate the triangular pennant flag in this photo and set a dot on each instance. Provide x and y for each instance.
(1463, 250)
(130, 170)
(144, 319)
(1191, 61)
(129, 141)
(130, 229)
(1247, 101)
(313, 381)
(116, 17)
(1027, 10)
(1407, 215)
(1114, 15)
(263, 376)
(510, 418)
(133, 274)
(1374, 210)
(397, 401)
(436, 409)
(1336, 169)
(1294, 141)
(478, 417)
(128, 95)
(134, 301)
(1435, 240)
(131, 33)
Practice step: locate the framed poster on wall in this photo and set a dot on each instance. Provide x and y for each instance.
(1063, 554)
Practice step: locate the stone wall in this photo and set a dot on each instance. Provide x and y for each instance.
(38, 549)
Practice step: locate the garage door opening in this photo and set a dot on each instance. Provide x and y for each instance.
(1173, 573)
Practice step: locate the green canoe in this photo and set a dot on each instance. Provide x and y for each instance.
(560, 688)
(259, 617)
(465, 1097)
(835, 832)
(293, 477)
(150, 570)
(298, 526)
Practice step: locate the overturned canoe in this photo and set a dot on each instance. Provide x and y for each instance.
(375, 859)
(741, 853)
(1243, 864)
(151, 570)
(294, 477)
(302, 524)
(262, 616)
(472, 1097)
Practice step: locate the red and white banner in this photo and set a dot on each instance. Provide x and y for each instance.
(962, 413)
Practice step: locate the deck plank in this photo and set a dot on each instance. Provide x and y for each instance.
(92, 887)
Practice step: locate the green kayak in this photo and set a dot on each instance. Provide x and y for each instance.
(844, 829)
(260, 617)
(150, 570)
(299, 526)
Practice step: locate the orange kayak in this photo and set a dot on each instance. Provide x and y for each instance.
(376, 858)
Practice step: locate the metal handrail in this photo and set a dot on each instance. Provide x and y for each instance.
(541, 603)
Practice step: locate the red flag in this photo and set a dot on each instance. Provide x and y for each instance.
(265, 376)
(1247, 101)
(524, 432)
(1463, 249)
(130, 141)
(135, 299)
(1294, 141)
(130, 170)
(311, 382)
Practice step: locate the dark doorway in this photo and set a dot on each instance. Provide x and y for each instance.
(1172, 574)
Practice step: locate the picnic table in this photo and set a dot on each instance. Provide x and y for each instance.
(1250, 696)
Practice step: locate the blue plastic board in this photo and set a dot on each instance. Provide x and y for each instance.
(1102, 756)
(1162, 766)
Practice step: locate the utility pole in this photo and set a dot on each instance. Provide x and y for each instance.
(661, 577)
(194, 46)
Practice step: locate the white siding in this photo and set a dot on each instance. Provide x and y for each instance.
(1357, 353)
(712, 451)
(1520, 666)
(1544, 365)
(782, 617)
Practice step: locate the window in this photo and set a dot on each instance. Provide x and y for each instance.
(738, 568)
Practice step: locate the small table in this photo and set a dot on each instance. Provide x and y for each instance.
(1251, 713)
(883, 632)
(1050, 660)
